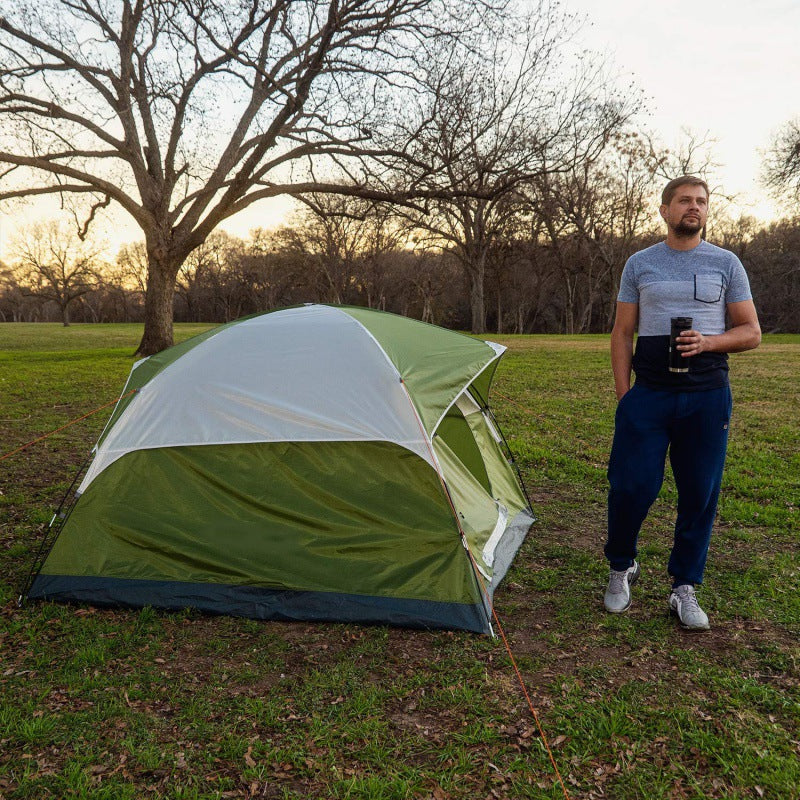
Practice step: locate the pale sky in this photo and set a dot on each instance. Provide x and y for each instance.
(728, 68)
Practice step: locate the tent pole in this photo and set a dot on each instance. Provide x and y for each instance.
(51, 533)
(485, 407)
(485, 599)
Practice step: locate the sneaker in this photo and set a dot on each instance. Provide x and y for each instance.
(618, 595)
(683, 603)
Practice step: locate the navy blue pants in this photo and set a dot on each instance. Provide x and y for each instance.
(693, 426)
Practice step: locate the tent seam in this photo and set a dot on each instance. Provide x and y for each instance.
(371, 336)
(123, 453)
(466, 386)
(427, 439)
(461, 391)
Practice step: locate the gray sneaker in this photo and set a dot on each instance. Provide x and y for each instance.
(618, 594)
(683, 603)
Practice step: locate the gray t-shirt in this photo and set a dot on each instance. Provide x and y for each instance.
(694, 283)
(666, 283)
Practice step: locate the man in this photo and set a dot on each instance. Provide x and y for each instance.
(686, 413)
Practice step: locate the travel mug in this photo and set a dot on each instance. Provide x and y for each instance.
(677, 363)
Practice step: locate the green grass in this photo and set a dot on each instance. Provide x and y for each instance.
(146, 704)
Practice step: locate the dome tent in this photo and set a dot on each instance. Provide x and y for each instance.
(316, 463)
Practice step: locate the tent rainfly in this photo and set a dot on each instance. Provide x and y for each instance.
(312, 463)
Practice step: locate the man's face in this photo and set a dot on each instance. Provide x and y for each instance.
(687, 211)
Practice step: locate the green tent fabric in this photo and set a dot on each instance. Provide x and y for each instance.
(315, 463)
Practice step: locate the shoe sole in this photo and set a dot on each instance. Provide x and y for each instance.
(634, 578)
(696, 628)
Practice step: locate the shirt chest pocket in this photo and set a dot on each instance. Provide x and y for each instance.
(709, 288)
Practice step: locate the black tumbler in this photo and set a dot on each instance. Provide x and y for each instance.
(677, 363)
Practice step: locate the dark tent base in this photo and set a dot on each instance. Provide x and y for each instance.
(259, 603)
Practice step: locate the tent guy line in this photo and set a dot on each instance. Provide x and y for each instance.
(521, 682)
(66, 425)
(491, 606)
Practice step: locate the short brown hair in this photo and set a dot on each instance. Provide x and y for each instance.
(684, 180)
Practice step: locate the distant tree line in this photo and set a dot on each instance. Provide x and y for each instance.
(557, 273)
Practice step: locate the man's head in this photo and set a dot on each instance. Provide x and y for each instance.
(684, 205)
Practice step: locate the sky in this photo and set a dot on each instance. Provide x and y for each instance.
(729, 68)
(726, 69)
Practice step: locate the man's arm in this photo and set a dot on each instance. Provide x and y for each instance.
(744, 333)
(622, 346)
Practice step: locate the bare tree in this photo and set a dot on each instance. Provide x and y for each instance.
(349, 239)
(271, 274)
(132, 266)
(521, 276)
(53, 265)
(735, 233)
(490, 121)
(595, 215)
(772, 258)
(119, 294)
(427, 285)
(207, 272)
(693, 155)
(12, 301)
(781, 168)
(185, 112)
(325, 250)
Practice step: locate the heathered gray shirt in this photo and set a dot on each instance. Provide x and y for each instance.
(697, 283)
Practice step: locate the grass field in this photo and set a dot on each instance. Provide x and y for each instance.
(144, 704)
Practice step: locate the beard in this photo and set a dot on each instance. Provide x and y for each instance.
(688, 227)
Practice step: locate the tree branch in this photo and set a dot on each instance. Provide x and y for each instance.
(97, 184)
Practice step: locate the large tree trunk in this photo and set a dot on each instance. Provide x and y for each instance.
(158, 300)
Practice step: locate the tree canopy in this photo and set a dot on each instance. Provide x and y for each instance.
(185, 112)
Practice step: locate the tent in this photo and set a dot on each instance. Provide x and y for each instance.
(316, 463)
